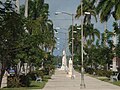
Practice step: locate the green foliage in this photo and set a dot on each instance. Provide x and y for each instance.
(40, 73)
(116, 83)
(25, 40)
(34, 85)
(117, 32)
(13, 82)
(48, 65)
(118, 51)
(88, 6)
(106, 7)
(98, 72)
(32, 75)
(89, 70)
(103, 73)
(11, 32)
(38, 85)
(25, 80)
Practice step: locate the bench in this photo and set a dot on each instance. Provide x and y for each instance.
(39, 79)
(115, 77)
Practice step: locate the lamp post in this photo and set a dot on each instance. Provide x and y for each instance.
(82, 84)
(72, 15)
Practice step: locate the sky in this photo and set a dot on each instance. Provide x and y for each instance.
(64, 21)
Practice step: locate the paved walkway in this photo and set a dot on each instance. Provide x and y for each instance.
(59, 81)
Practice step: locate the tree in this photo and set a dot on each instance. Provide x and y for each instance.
(11, 31)
(116, 40)
(89, 31)
(38, 15)
(107, 7)
(39, 27)
(76, 40)
(88, 6)
(22, 38)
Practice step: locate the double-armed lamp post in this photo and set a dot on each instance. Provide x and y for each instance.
(72, 15)
(82, 84)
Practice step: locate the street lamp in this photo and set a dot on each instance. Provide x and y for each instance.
(72, 15)
(82, 84)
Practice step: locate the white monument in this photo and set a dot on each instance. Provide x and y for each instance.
(70, 68)
(64, 61)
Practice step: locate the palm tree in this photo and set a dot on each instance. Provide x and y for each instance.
(77, 39)
(106, 37)
(90, 33)
(107, 7)
(40, 25)
(35, 8)
(88, 6)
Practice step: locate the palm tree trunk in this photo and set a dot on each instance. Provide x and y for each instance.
(17, 9)
(105, 28)
(26, 8)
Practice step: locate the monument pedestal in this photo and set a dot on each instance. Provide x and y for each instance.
(62, 68)
(70, 73)
(64, 62)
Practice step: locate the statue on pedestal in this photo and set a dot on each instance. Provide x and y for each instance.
(70, 67)
(64, 61)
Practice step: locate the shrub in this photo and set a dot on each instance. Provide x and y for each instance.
(77, 68)
(48, 69)
(103, 73)
(108, 73)
(25, 80)
(13, 82)
(40, 73)
(32, 75)
(89, 70)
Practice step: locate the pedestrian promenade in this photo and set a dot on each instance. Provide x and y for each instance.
(60, 81)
